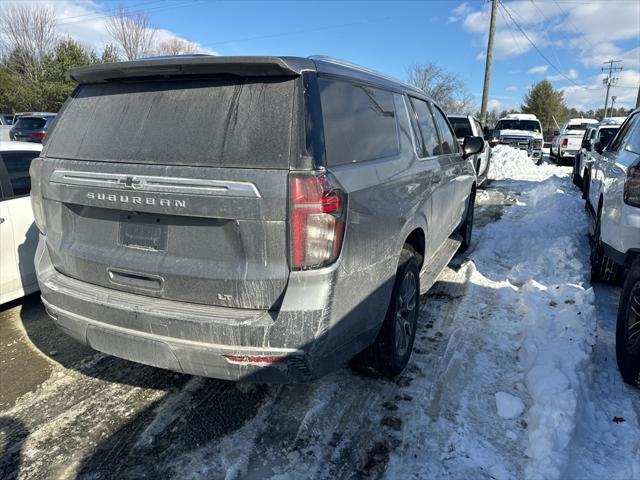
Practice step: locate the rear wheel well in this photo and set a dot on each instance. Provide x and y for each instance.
(416, 241)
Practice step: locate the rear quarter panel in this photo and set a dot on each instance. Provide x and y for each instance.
(387, 199)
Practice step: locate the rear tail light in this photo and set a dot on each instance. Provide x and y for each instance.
(632, 186)
(38, 135)
(37, 201)
(11, 134)
(317, 220)
(565, 143)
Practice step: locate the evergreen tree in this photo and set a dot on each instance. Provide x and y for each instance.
(545, 103)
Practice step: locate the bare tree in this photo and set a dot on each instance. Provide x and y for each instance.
(177, 46)
(445, 88)
(27, 35)
(132, 32)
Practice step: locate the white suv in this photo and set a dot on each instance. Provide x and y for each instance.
(614, 203)
(594, 141)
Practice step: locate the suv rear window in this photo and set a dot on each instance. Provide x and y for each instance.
(31, 123)
(461, 126)
(230, 122)
(359, 122)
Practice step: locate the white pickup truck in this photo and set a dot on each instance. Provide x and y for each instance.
(522, 131)
(568, 142)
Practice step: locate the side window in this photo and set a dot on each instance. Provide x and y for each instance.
(620, 140)
(632, 142)
(17, 165)
(605, 135)
(359, 122)
(449, 143)
(427, 128)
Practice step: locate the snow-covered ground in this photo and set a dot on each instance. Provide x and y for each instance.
(513, 375)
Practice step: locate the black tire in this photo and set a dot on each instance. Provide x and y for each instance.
(390, 352)
(628, 328)
(466, 229)
(603, 269)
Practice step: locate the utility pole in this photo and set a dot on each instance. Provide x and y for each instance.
(610, 79)
(638, 99)
(487, 68)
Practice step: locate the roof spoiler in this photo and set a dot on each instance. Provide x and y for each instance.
(185, 65)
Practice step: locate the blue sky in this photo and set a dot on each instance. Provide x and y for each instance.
(576, 37)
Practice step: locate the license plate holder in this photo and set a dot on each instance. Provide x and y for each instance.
(148, 232)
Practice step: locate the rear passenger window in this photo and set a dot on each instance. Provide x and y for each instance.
(427, 128)
(359, 122)
(17, 164)
(449, 143)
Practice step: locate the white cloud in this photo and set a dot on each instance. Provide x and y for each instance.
(512, 88)
(85, 22)
(592, 28)
(538, 70)
(571, 75)
(460, 12)
(593, 95)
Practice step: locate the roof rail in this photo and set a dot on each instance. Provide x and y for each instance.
(355, 66)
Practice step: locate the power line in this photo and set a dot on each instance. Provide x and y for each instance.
(572, 24)
(546, 31)
(562, 74)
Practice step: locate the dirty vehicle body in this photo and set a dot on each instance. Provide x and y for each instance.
(468, 125)
(244, 218)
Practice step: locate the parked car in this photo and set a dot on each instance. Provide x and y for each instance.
(468, 126)
(614, 205)
(230, 226)
(595, 139)
(520, 130)
(567, 143)
(32, 128)
(18, 235)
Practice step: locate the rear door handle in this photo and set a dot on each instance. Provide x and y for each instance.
(436, 179)
(1, 221)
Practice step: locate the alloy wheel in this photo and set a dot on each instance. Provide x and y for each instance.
(405, 310)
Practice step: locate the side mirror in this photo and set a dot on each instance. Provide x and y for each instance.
(586, 144)
(599, 147)
(488, 133)
(472, 146)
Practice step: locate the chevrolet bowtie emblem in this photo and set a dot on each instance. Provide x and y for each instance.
(129, 182)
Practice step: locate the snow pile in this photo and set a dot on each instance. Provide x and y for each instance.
(508, 406)
(511, 163)
(540, 248)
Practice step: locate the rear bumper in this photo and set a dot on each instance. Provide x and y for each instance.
(191, 338)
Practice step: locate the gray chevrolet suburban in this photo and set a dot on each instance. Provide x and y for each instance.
(248, 218)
